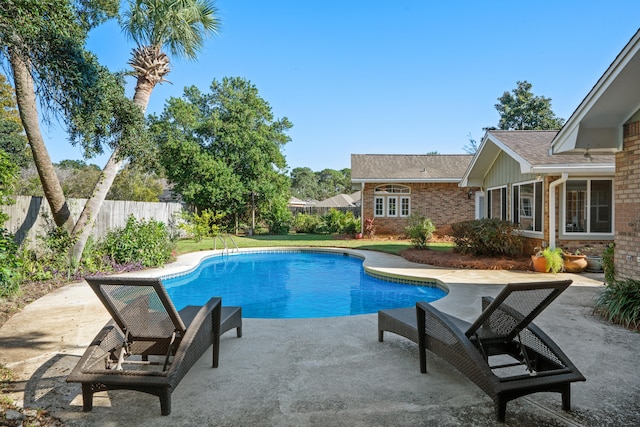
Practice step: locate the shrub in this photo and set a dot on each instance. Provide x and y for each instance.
(278, 217)
(9, 265)
(419, 230)
(608, 265)
(619, 302)
(50, 258)
(340, 222)
(146, 242)
(490, 237)
(203, 225)
(306, 223)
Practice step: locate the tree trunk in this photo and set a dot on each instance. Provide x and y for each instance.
(87, 219)
(26, 100)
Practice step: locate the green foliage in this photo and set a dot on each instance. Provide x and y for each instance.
(78, 179)
(420, 230)
(336, 221)
(179, 26)
(198, 226)
(218, 149)
(8, 176)
(50, 37)
(488, 236)
(619, 302)
(12, 138)
(608, 265)
(307, 223)
(132, 183)
(9, 265)
(49, 259)
(554, 260)
(521, 110)
(141, 241)
(277, 216)
(307, 184)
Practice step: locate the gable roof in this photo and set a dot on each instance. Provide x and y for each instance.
(408, 168)
(597, 122)
(531, 149)
(337, 201)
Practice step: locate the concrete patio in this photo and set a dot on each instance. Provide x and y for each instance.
(333, 371)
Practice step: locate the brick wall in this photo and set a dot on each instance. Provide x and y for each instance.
(444, 204)
(627, 204)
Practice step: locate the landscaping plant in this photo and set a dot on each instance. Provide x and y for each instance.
(488, 236)
(420, 230)
(146, 242)
(205, 224)
(9, 265)
(619, 302)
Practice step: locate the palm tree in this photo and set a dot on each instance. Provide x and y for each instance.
(180, 26)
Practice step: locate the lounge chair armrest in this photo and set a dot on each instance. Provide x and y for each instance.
(201, 332)
(442, 334)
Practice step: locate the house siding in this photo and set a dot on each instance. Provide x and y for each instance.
(443, 203)
(505, 171)
(627, 202)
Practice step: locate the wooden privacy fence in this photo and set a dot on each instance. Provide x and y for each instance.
(31, 216)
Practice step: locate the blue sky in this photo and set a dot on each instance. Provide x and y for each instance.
(393, 77)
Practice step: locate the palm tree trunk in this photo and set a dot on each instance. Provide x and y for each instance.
(26, 100)
(87, 219)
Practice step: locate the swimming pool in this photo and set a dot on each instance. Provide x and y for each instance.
(294, 284)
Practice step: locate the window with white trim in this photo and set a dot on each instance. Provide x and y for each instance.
(405, 206)
(378, 206)
(392, 206)
(392, 200)
(527, 205)
(497, 203)
(588, 206)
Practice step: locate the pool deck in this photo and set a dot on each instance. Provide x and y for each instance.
(333, 371)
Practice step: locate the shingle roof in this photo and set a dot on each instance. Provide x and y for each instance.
(337, 201)
(410, 168)
(533, 146)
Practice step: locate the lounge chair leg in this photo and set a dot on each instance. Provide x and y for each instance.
(566, 397)
(380, 335)
(501, 410)
(239, 331)
(165, 403)
(87, 397)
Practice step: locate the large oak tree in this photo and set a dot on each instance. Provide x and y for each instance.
(222, 150)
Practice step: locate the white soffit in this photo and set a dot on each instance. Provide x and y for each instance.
(596, 124)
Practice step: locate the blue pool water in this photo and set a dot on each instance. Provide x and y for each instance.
(294, 285)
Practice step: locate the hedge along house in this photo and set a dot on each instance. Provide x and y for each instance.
(557, 201)
(395, 186)
(608, 121)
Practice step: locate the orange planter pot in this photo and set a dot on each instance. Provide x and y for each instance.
(575, 263)
(539, 263)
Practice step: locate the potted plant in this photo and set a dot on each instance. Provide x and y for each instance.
(548, 260)
(574, 263)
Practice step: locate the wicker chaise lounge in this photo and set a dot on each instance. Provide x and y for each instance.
(502, 352)
(148, 346)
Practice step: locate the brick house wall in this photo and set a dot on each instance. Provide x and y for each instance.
(443, 203)
(627, 204)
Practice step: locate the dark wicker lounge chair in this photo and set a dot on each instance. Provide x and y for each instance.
(503, 352)
(148, 346)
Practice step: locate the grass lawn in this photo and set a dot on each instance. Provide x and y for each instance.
(317, 240)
